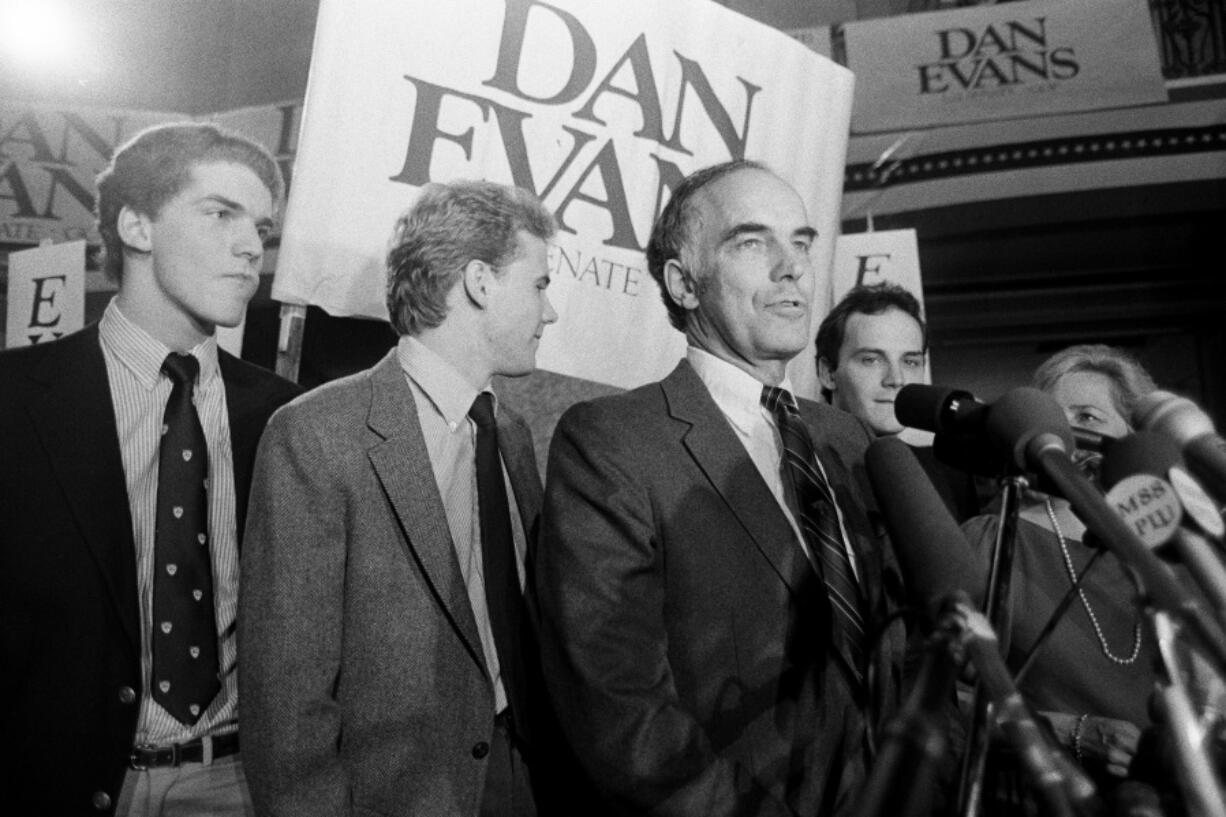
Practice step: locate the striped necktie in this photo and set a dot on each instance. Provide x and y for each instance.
(819, 523)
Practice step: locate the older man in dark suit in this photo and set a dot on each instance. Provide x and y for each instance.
(712, 592)
(127, 452)
(388, 655)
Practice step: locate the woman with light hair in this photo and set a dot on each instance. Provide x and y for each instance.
(1093, 676)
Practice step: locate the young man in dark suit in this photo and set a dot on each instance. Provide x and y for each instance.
(708, 576)
(127, 453)
(387, 654)
(873, 342)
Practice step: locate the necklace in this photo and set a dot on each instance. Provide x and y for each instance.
(1072, 574)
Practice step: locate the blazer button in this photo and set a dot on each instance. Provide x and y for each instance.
(481, 750)
(127, 695)
(101, 800)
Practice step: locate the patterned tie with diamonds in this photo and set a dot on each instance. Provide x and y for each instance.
(820, 524)
(503, 596)
(185, 679)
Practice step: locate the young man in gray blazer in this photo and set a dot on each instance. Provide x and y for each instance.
(103, 708)
(388, 655)
(709, 581)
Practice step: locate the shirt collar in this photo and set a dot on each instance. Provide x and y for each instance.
(737, 393)
(449, 391)
(142, 354)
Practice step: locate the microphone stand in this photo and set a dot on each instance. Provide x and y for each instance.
(1203, 793)
(997, 607)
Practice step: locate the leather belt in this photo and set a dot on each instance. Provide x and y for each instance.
(152, 757)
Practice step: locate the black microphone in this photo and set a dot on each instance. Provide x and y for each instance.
(1148, 488)
(958, 419)
(939, 409)
(932, 551)
(1031, 425)
(939, 570)
(1181, 420)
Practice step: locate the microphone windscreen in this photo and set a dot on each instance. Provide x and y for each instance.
(932, 551)
(1177, 417)
(1143, 452)
(921, 406)
(1022, 415)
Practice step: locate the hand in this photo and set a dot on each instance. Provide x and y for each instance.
(1105, 743)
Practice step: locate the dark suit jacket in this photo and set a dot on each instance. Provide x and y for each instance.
(362, 677)
(685, 635)
(69, 613)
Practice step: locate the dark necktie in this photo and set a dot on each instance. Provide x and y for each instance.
(503, 596)
(819, 523)
(185, 677)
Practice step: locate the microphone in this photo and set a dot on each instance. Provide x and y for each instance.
(1136, 472)
(939, 409)
(958, 419)
(939, 570)
(1192, 430)
(1031, 426)
(932, 551)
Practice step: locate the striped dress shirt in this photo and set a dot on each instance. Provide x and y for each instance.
(139, 392)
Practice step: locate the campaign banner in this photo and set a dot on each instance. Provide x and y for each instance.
(1002, 61)
(50, 155)
(876, 257)
(816, 38)
(46, 294)
(598, 108)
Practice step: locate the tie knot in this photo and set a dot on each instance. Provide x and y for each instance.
(482, 412)
(181, 369)
(779, 400)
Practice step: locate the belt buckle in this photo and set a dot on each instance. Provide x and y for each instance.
(135, 758)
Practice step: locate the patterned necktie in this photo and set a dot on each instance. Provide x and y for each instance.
(185, 679)
(820, 523)
(503, 596)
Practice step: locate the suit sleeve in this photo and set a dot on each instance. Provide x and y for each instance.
(291, 611)
(601, 580)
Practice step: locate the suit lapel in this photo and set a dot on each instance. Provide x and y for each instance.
(723, 459)
(245, 411)
(75, 420)
(402, 465)
(515, 446)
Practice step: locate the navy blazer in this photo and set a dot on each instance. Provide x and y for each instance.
(685, 636)
(70, 686)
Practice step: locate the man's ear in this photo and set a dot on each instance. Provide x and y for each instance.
(476, 278)
(682, 287)
(825, 374)
(135, 229)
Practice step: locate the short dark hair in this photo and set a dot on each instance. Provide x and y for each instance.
(153, 166)
(448, 226)
(673, 230)
(866, 299)
(1129, 379)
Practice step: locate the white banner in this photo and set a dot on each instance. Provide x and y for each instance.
(49, 157)
(46, 296)
(599, 108)
(1002, 61)
(876, 257)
